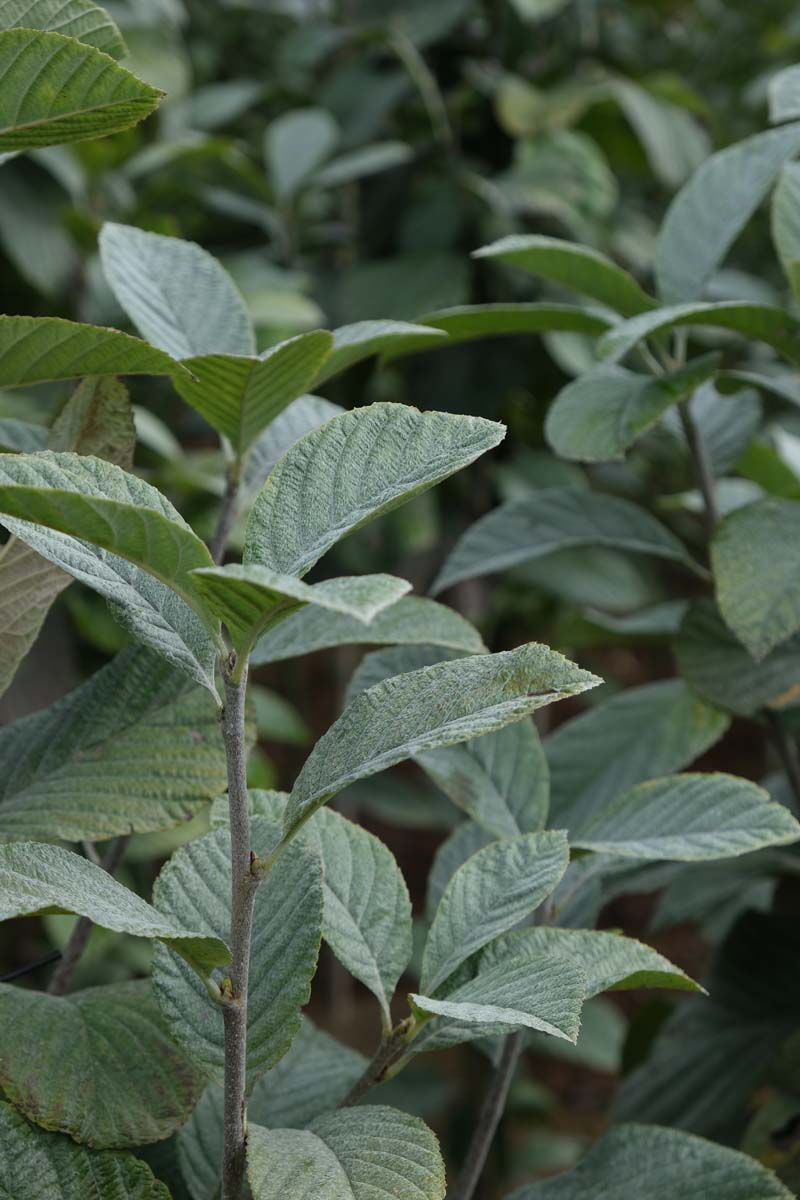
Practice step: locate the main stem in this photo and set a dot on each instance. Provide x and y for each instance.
(243, 889)
(227, 514)
(492, 1109)
(703, 473)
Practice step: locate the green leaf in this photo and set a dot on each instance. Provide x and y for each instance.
(661, 1164)
(41, 349)
(573, 266)
(57, 90)
(556, 519)
(464, 841)
(35, 1165)
(251, 599)
(56, 1068)
(688, 818)
(785, 215)
(177, 294)
(600, 414)
(81, 19)
(22, 436)
(287, 923)
(488, 895)
(755, 556)
(469, 321)
(709, 211)
(303, 414)
(351, 470)
(97, 419)
(66, 772)
(37, 878)
(366, 160)
(501, 780)
(784, 95)
(241, 396)
(640, 734)
(354, 343)
(371, 1153)
(411, 620)
(296, 144)
(759, 322)
(435, 706)
(98, 502)
(717, 667)
(395, 660)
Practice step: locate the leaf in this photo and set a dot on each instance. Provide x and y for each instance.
(41, 349)
(81, 19)
(56, 1068)
(759, 322)
(195, 885)
(177, 294)
(303, 414)
(662, 1164)
(556, 519)
(36, 1164)
(754, 556)
(410, 620)
(372, 1153)
(366, 160)
(469, 321)
(709, 211)
(56, 90)
(488, 895)
(67, 772)
(785, 215)
(464, 841)
(639, 734)
(600, 414)
(576, 267)
(296, 144)
(354, 343)
(501, 780)
(784, 95)
(395, 660)
(688, 818)
(717, 667)
(435, 706)
(251, 599)
(22, 436)
(241, 396)
(98, 502)
(37, 878)
(97, 419)
(672, 139)
(354, 468)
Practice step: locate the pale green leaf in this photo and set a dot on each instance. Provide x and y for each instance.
(784, 95)
(81, 19)
(22, 436)
(371, 1153)
(464, 841)
(785, 215)
(600, 414)
(557, 519)
(366, 160)
(673, 140)
(396, 660)
(353, 343)
(758, 322)
(38, 878)
(488, 895)
(177, 295)
(709, 211)
(688, 818)
(303, 414)
(35, 1165)
(351, 470)
(411, 620)
(662, 1164)
(135, 748)
(469, 321)
(97, 419)
(579, 268)
(435, 706)
(41, 349)
(195, 886)
(57, 90)
(56, 1068)
(755, 556)
(296, 144)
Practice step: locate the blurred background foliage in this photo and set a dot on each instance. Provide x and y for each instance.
(343, 158)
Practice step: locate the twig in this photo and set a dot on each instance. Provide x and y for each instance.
(787, 749)
(704, 476)
(227, 515)
(62, 976)
(54, 956)
(428, 88)
(390, 1051)
(492, 1108)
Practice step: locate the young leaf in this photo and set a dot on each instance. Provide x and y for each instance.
(662, 1164)
(409, 621)
(251, 599)
(351, 470)
(177, 295)
(435, 706)
(296, 144)
(600, 414)
(488, 895)
(36, 878)
(759, 322)
(42, 349)
(688, 818)
(556, 519)
(709, 211)
(784, 95)
(573, 266)
(57, 90)
(81, 19)
(241, 396)
(196, 885)
(353, 343)
(371, 1153)
(755, 556)
(469, 321)
(36, 1164)
(65, 772)
(55, 1064)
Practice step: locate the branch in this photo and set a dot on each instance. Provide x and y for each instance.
(492, 1108)
(390, 1051)
(704, 476)
(787, 750)
(227, 514)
